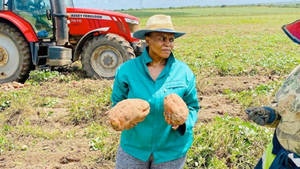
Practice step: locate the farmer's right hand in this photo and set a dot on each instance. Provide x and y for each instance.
(127, 113)
(261, 115)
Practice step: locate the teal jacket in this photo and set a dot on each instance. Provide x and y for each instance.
(154, 135)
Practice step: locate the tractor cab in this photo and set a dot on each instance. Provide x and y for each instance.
(37, 13)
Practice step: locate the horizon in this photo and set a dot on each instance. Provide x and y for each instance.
(145, 4)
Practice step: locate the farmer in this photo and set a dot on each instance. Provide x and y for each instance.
(154, 143)
(284, 115)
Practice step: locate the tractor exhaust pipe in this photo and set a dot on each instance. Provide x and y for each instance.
(60, 22)
(60, 55)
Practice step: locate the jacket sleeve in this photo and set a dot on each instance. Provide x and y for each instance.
(191, 100)
(120, 88)
(275, 118)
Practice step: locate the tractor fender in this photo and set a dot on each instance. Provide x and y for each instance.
(21, 24)
(86, 37)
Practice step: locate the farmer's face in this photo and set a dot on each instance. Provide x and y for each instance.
(160, 44)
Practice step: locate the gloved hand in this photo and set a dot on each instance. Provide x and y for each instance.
(261, 115)
(176, 111)
(127, 113)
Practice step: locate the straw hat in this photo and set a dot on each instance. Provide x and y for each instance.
(158, 23)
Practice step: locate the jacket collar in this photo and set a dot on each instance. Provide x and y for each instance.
(147, 59)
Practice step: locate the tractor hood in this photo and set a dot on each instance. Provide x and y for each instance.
(100, 12)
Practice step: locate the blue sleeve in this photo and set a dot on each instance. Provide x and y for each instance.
(120, 88)
(191, 100)
(272, 117)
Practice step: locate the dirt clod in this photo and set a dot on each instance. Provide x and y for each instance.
(66, 160)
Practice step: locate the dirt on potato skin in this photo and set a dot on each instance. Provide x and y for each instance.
(72, 153)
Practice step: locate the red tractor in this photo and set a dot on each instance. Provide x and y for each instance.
(54, 33)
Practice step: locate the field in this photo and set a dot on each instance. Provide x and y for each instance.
(240, 57)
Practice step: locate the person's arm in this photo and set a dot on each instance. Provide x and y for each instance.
(120, 88)
(191, 100)
(264, 116)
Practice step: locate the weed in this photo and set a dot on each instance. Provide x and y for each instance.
(97, 144)
(5, 144)
(49, 102)
(38, 76)
(227, 143)
(4, 105)
(36, 132)
(103, 140)
(71, 134)
(254, 96)
(88, 106)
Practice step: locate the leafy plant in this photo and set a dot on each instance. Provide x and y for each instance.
(38, 76)
(48, 102)
(4, 105)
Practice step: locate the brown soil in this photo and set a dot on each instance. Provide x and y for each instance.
(55, 154)
(212, 101)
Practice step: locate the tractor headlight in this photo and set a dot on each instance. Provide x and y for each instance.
(131, 21)
(133, 24)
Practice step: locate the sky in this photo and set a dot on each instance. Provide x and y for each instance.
(139, 4)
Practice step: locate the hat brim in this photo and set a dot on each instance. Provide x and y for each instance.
(140, 34)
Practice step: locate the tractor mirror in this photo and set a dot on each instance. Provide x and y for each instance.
(48, 14)
(293, 31)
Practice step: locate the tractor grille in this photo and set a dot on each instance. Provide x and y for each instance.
(94, 24)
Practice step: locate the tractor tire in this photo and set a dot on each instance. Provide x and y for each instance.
(15, 59)
(102, 55)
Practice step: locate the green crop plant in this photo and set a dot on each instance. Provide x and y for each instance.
(227, 143)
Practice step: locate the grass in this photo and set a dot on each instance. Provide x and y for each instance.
(227, 143)
(229, 41)
(5, 144)
(214, 11)
(87, 102)
(260, 95)
(102, 139)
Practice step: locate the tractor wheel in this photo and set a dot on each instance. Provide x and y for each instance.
(15, 60)
(102, 55)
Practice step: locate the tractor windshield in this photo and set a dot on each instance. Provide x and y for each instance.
(69, 3)
(35, 12)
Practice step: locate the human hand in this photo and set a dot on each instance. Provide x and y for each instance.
(127, 113)
(175, 110)
(261, 115)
